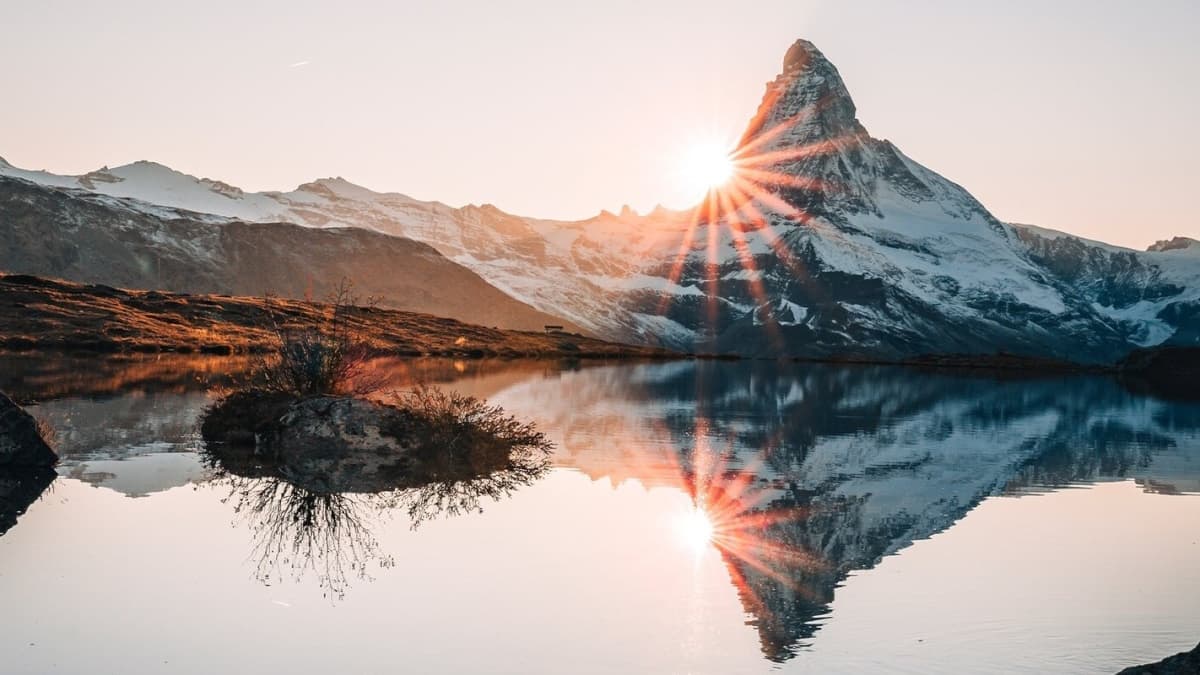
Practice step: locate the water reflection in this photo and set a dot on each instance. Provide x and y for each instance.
(807, 473)
(312, 506)
(298, 531)
(799, 474)
(19, 488)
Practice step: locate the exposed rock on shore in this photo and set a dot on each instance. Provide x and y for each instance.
(21, 442)
(341, 444)
(1183, 663)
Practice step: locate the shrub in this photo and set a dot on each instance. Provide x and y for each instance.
(464, 437)
(331, 358)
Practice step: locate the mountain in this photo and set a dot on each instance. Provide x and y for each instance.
(1152, 297)
(827, 243)
(74, 234)
(816, 471)
(857, 249)
(576, 271)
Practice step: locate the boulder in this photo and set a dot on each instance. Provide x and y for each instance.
(1171, 372)
(21, 443)
(1183, 663)
(338, 444)
(344, 445)
(18, 489)
(323, 444)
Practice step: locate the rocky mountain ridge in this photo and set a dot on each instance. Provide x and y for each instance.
(77, 235)
(827, 244)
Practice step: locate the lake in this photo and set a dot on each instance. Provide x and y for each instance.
(700, 517)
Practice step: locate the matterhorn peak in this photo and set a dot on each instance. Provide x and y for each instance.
(807, 148)
(810, 97)
(800, 56)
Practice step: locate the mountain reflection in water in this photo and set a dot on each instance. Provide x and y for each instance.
(805, 473)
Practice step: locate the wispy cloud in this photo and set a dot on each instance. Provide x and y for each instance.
(299, 63)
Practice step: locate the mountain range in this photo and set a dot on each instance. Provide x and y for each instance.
(827, 243)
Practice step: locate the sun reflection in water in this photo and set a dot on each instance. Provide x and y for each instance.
(694, 529)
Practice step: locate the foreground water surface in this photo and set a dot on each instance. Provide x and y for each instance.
(699, 518)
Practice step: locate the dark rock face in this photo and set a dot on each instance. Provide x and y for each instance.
(1183, 663)
(26, 462)
(1124, 279)
(21, 444)
(1174, 244)
(18, 489)
(1170, 372)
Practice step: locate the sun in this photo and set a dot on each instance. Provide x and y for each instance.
(694, 529)
(705, 166)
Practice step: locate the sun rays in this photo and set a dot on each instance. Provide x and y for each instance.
(747, 194)
(705, 167)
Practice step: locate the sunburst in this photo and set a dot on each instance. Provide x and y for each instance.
(741, 194)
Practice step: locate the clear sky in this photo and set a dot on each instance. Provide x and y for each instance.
(1076, 115)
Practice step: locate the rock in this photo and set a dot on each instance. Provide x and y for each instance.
(238, 419)
(1183, 663)
(344, 444)
(18, 489)
(1167, 372)
(323, 444)
(329, 444)
(21, 444)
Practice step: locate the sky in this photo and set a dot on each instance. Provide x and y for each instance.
(1079, 116)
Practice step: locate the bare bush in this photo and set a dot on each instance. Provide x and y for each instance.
(463, 435)
(331, 358)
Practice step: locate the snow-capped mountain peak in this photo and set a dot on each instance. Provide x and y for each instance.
(827, 243)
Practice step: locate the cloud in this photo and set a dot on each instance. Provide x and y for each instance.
(299, 63)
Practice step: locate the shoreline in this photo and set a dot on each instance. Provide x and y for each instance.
(72, 319)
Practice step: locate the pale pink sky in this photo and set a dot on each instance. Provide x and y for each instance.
(1080, 116)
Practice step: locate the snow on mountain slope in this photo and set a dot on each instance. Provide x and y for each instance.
(887, 258)
(828, 243)
(1153, 295)
(577, 268)
(81, 236)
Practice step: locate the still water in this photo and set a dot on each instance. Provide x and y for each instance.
(699, 518)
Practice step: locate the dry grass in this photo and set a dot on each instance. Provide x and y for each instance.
(45, 314)
(331, 358)
(463, 437)
(47, 431)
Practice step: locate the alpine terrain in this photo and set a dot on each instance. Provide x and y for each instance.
(826, 243)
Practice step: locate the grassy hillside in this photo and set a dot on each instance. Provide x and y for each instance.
(74, 235)
(46, 314)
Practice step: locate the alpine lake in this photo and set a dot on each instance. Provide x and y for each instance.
(696, 517)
